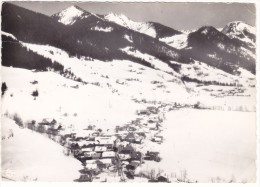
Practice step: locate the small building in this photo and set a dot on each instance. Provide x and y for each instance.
(133, 138)
(85, 178)
(105, 140)
(158, 139)
(47, 121)
(162, 179)
(100, 148)
(96, 156)
(87, 149)
(124, 156)
(128, 149)
(108, 154)
(91, 166)
(89, 154)
(130, 137)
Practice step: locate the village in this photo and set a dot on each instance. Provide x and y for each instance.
(118, 152)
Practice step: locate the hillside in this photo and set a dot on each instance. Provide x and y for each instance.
(210, 46)
(22, 157)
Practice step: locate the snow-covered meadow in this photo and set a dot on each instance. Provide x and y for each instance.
(208, 145)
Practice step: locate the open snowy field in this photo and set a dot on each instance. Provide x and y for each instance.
(210, 146)
(29, 156)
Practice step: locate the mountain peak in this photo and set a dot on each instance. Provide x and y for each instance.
(238, 26)
(69, 15)
(241, 31)
(207, 30)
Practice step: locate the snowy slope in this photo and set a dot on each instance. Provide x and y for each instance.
(177, 41)
(30, 156)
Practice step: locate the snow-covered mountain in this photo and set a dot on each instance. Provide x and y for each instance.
(215, 48)
(142, 27)
(241, 31)
(152, 29)
(70, 15)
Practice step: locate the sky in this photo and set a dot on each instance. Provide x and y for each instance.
(180, 16)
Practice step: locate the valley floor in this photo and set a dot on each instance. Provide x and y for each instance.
(207, 145)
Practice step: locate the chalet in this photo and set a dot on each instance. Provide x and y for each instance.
(89, 154)
(91, 166)
(130, 137)
(100, 148)
(136, 156)
(91, 127)
(132, 129)
(95, 134)
(52, 131)
(49, 122)
(96, 156)
(158, 139)
(90, 138)
(128, 149)
(124, 156)
(121, 128)
(117, 142)
(108, 154)
(100, 164)
(141, 134)
(105, 140)
(162, 179)
(88, 149)
(132, 166)
(152, 156)
(85, 178)
(106, 162)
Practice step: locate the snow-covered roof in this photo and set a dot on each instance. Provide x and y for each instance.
(108, 154)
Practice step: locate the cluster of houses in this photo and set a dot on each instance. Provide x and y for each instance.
(112, 151)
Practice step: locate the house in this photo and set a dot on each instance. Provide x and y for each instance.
(152, 156)
(130, 137)
(82, 143)
(124, 156)
(87, 149)
(121, 128)
(108, 154)
(47, 121)
(91, 127)
(91, 166)
(132, 166)
(158, 139)
(106, 162)
(96, 156)
(162, 179)
(100, 148)
(117, 142)
(133, 138)
(107, 141)
(89, 154)
(85, 178)
(132, 129)
(128, 149)
(136, 156)
(141, 134)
